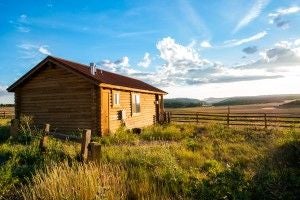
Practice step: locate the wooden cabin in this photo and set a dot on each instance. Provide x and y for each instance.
(72, 96)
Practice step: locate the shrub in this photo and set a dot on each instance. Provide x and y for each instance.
(192, 144)
(167, 132)
(4, 133)
(121, 136)
(228, 184)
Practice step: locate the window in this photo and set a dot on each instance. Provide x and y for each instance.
(136, 103)
(116, 98)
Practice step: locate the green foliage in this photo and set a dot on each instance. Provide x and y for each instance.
(192, 144)
(167, 133)
(228, 184)
(4, 133)
(279, 175)
(121, 136)
(181, 161)
(182, 103)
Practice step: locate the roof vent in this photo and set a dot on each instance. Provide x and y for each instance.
(93, 68)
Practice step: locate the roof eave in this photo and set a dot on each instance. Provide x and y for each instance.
(105, 85)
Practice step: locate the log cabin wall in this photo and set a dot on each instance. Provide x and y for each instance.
(61, 98)
(146, 116)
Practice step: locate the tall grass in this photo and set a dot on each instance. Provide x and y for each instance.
(169, 162)
(77, 182)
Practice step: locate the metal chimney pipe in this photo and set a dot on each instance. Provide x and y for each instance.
(93, 68)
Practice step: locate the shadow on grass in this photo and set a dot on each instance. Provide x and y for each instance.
(279, 176)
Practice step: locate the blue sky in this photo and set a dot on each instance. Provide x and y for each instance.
(190, 48)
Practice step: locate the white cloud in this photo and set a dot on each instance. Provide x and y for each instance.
(277, 16)
(121, 66)
(281, 57)
(44, 50)
(205, 44)
(31, 51)
(285, 11)
(253, 13)
(5, 97)
(183, 66)
(235, 42)
(146, 61)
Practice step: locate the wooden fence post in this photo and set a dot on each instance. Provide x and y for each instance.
(228, 112)
(95, 154)
(44, 138)
(14, 127)
(197, 116)
(265, 116)
(169, 117)
(86, 139)
(4, 115)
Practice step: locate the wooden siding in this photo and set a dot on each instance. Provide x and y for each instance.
(59, 97)
(144, 118)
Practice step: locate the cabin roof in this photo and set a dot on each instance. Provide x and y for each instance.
(101, 76)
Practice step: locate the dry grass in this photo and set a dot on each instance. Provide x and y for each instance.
(254, 108)
(83, 182)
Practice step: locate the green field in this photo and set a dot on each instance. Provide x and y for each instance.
(164, 162)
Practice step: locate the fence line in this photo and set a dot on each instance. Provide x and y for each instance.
(6, 114)
(237, 119)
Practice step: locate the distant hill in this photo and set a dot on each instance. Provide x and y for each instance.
(182, 103)
(292, 104)
(257, 99)
(212, 100)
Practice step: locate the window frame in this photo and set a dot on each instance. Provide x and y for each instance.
(134, 104)
(114, 104)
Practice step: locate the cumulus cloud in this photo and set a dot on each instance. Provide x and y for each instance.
(253, 13)
(277, 17)
(205, 44)
(146, 61)
(183, 65)
(5, 97)
(284, 54)
(121, 66)
(29, 51)
(237, 42)
(250, 50)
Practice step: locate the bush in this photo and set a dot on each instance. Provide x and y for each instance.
(167, 132)
(279, 175)
(121, 136)
(4, 133)
(228, 184)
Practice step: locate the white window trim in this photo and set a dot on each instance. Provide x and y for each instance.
(113, 99)
(132, 100)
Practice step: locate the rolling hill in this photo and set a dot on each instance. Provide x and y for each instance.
(182, 103)
(292, 104)
(257, 99)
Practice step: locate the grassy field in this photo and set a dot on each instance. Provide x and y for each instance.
(254, 108)
(164, 162)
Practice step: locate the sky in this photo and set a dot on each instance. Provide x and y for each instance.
(189, 48)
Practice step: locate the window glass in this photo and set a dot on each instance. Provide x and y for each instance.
(136, 103)
(116, 98)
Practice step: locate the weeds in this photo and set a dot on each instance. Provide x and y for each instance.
(163, 162)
